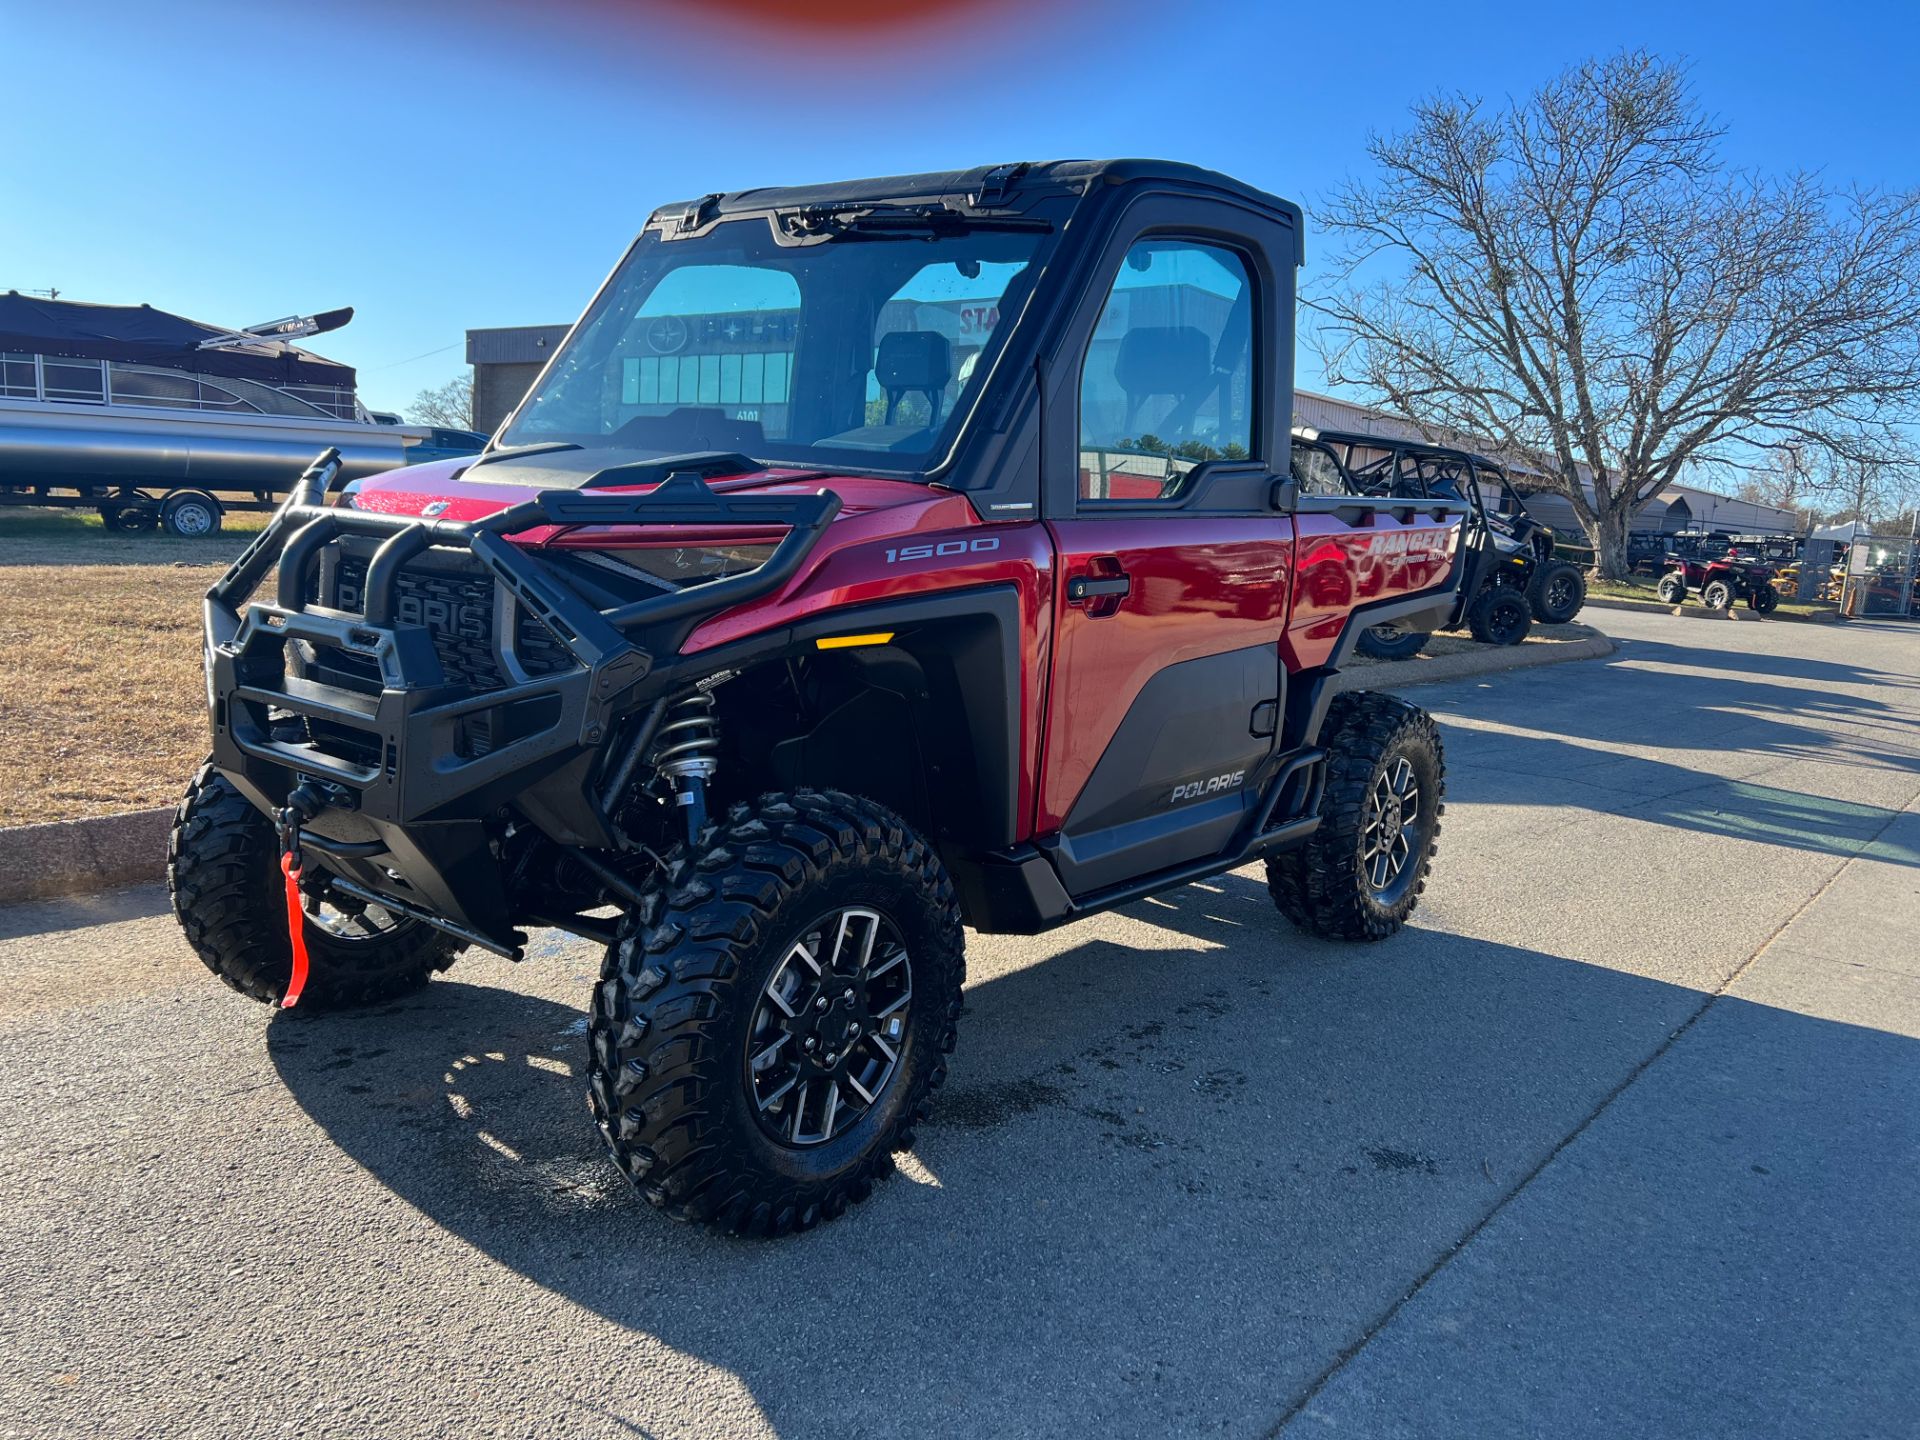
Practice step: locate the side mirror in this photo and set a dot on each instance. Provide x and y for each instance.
(1286, 495)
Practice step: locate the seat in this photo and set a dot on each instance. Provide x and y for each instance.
(914, 362)
(1175, 360)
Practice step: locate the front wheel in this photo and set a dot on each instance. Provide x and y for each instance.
(1765, 600)
(1499, 615)
(1671, 589)
(775, 1019)
(1718, 595)
(223, 875)
(1361, 873)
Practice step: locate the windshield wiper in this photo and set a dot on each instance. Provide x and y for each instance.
(913, 221)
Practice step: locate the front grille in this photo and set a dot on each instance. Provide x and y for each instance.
(457, 609)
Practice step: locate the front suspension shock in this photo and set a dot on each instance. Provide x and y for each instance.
(687, 753)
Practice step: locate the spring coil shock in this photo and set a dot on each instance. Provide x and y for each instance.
(687, 753)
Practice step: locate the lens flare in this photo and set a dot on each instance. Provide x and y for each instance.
(870, 19)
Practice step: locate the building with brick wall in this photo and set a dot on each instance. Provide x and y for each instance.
(505, 362)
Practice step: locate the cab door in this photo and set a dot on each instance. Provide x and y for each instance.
(1172, 569)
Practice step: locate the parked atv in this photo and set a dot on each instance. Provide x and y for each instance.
(1721, 582)
(740, 673)
(1514, 579)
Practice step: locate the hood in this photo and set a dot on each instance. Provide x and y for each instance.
(459, 490)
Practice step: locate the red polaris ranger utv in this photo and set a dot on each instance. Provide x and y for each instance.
(871, 560)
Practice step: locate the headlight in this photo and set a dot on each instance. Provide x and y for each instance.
(675, 567)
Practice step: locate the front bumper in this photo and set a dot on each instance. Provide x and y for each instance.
(424, 718)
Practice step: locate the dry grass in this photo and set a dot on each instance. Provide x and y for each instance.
(102, 702)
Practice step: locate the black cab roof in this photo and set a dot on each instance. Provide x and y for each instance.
(1000, 188)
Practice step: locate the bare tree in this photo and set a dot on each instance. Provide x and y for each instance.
(1577, 278)
(451, 405)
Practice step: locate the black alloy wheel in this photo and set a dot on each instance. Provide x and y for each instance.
(1361, 873)
(825, 1038)
(1390, 833)
(1390, 642)
(1500, 615)
(776, 1014)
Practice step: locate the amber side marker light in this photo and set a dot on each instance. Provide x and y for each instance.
(847, 642)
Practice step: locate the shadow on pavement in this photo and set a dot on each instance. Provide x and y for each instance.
(1536, 769)
(1169, 1182)
(1749, 662)
(81, 912)
(1554, 741)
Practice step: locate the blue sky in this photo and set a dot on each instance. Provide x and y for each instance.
(440, 167)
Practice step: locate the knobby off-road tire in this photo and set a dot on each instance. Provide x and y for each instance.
(1671, 589)
(676, 1024)
(1556, 592)
(1390, 642)
(1764, 600)
(1499, 615)
(1328, 886)
(1717, 595)
(223, 872)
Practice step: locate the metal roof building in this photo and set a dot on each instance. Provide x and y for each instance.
(505, 362)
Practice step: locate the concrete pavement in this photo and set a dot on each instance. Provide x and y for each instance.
(1619, 1138)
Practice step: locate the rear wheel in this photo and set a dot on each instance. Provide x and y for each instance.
(1390, 642)
(1765, 600)
(1557, 592)
(1672, 588)
(1361, 874)
(1499, 615)
(1716, 595)
(776, 1018)
(223, 874)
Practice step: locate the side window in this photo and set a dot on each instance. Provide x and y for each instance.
(1168, 379)
(17, 378)
(1315, 470)
(75, 381)
(134, 385)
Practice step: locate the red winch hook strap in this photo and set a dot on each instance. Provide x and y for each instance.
(296, 931)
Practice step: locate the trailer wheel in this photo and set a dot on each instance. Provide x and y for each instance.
(773, 1021)
(132, 518)
(191, 515)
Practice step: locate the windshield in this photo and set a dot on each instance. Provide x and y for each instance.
(864, 351)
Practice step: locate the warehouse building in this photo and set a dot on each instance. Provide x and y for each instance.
(505, 362)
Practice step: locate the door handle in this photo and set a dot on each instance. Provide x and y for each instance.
(1088, 587)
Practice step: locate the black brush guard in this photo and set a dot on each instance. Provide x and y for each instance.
(408, 811)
